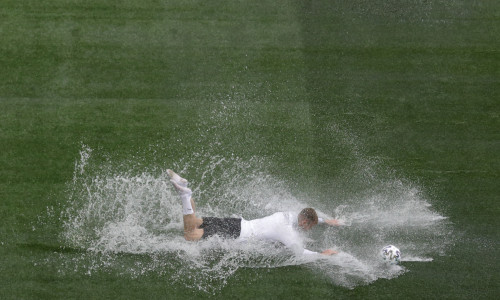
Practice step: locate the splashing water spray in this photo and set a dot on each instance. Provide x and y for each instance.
(132, 224)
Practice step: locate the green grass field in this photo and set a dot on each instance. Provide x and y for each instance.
(313, 88)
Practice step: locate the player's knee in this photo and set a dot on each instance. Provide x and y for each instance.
(189, 237)
(193, 235)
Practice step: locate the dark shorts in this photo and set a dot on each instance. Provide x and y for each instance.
(223, 227)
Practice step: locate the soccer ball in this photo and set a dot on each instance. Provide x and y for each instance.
(391, 254)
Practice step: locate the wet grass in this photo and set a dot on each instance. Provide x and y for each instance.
(312, 86)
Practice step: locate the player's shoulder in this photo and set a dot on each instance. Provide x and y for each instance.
(288, 216)
(280, 215)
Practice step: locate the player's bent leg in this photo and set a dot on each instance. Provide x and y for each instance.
(191, 222)
(192, 232)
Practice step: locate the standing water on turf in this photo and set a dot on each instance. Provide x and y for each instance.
(131, 223)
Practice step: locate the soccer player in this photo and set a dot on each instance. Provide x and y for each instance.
(279, 227)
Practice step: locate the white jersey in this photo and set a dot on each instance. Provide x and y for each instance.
(279, 227)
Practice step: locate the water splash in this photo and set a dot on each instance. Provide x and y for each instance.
(131, 223)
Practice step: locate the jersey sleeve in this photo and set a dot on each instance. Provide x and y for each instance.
(292, 240)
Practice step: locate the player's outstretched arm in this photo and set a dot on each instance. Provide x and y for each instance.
(329, 252)
(331, 222)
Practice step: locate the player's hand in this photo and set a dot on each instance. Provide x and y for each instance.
(329, 252)
(333, 222)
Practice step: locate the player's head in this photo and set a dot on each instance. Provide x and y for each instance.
(307, 218)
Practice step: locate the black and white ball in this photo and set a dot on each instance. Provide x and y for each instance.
(391, 254)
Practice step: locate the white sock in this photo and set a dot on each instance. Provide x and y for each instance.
(187, 209)
(185, 195)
